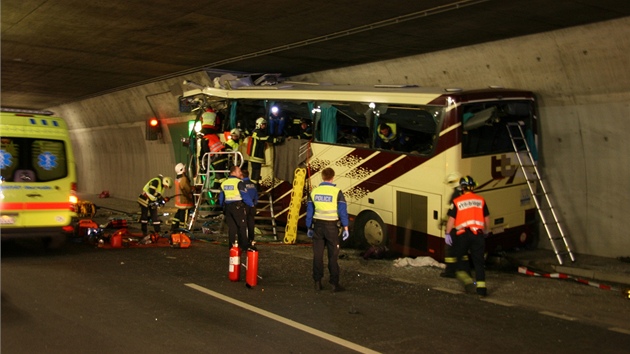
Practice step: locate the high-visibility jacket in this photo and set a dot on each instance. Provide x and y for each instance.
(151, 191)
(230, 190)
(470, 213)
(231, 144)
(324, 199)
(214, 143)
(183, 193)
(392, 135)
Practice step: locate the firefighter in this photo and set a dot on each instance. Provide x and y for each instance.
(183, 197)
(468, 222)
(233, 141)
(150, 199)
(326, 207)
(235, 200)
(449, 259)
(306, 131)
(256, 148)
(209, 138)
(232, 144)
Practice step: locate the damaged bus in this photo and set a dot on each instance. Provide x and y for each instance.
(398, 152)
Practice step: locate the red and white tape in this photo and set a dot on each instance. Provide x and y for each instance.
(524, 270)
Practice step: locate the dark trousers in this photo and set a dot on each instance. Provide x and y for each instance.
(450, 259)
(235, 215)
(326, 236)
(475, 244)
(144, 219)
(181, 216)
(251, 222)
(255, 173)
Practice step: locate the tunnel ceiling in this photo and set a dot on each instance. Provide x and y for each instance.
(59, 51)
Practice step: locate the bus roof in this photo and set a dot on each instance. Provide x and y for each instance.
(400, 94)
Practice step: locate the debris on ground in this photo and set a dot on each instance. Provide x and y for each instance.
(418, 262)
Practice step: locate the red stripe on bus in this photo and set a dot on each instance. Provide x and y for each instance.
(401, 166)
(36, 206)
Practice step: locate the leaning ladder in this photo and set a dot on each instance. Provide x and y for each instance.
(544, 206)
(203, 186)
(265, 207)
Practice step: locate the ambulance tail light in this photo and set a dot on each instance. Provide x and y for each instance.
(73, 199)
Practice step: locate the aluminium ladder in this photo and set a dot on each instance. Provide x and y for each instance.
(545, 208)
(204, 182)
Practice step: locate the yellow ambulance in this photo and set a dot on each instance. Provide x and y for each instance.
(38, 184)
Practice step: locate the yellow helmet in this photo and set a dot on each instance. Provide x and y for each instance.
(260, 121)
(167, 182)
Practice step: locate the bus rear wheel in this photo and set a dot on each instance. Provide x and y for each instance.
(369, 230)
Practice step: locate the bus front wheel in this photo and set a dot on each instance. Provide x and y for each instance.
(369, 230)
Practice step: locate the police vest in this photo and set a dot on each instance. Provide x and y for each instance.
(325, 202)
(230, 190)
(469, 213)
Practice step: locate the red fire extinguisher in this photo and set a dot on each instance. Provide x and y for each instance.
(234, 272)
(251, 277)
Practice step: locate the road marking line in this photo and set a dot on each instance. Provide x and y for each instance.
(497, 302)
(450, 291)
(557, 315)
(286, 321)
(620, 330)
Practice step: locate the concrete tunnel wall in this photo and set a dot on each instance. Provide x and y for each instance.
(579, 74)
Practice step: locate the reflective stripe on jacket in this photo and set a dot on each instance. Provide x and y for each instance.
(469, 213)
(151, 191)
(214, 143)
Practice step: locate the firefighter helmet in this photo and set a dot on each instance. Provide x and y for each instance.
(235, 132)
(467, 183)
(180, 168)
(259, 122)
(167, 182)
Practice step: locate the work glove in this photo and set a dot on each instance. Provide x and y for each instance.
(448, 239)
(310, 233)
(344, 235)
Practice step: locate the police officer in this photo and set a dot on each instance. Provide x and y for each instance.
(251, 211)
(326, 207)
(150, 199)
(468, 223)
(235, 200)
(183, 197)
